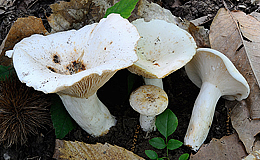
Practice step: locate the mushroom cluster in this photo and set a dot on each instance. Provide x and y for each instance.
(164, 48)
(75, 64)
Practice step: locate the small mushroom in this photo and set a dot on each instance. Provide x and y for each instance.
(162, 49)
(75, 64)
(149, 101)
(216, 76)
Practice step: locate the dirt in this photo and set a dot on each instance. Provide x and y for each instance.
(115, 93)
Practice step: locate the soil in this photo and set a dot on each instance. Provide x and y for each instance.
(115, 93)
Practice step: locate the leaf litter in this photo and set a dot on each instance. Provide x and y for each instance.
(228, 147)
(237, 36)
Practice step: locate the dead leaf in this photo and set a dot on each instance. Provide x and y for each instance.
(150, 10)
(253, 156)
(239, 43)
(79, 150)
(77, 13)
(231, 34)
(200, 35)
(256, 15)
(228, 148)
(247, 129)
(22, 27)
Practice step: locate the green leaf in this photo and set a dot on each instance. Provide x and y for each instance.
(61, 119)
(131, 79)
(166, 123)
(151, 154)
(174, 144)
(185, 156)
(157, 142)
(5, 71)
(123, 7)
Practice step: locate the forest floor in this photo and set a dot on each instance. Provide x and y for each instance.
(114, 94)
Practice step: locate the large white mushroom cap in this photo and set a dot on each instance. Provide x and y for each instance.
(209, 65)
(76, 62)
(162, 49)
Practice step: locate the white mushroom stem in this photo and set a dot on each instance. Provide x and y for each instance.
(90, 113)
(154, 81)
(147, 123)
(202, 115)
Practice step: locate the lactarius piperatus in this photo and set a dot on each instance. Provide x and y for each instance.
(216, 76)
(162, 49)
(75, 64)
(149, 101)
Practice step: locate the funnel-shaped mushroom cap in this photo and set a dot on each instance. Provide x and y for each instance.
(76, 62)
(209, 65)
(162, 49)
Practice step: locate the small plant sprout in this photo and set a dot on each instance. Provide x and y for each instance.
(166, 123)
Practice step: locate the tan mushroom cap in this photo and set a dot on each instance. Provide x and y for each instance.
(76, 62)
(162, 49)
(149, 100)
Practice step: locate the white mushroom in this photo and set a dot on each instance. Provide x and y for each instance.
(162, 49)
(149, 101)
(216, 76)
(75, 64)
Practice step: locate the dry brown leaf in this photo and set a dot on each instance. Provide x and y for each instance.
(228, 148)
(22, 27)
(79, 150)
(200, 35)
(230, 33)
(256, 15)
(77, 13)
(247, 129)
(150, 10)
(253, 156)
(241, 47)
